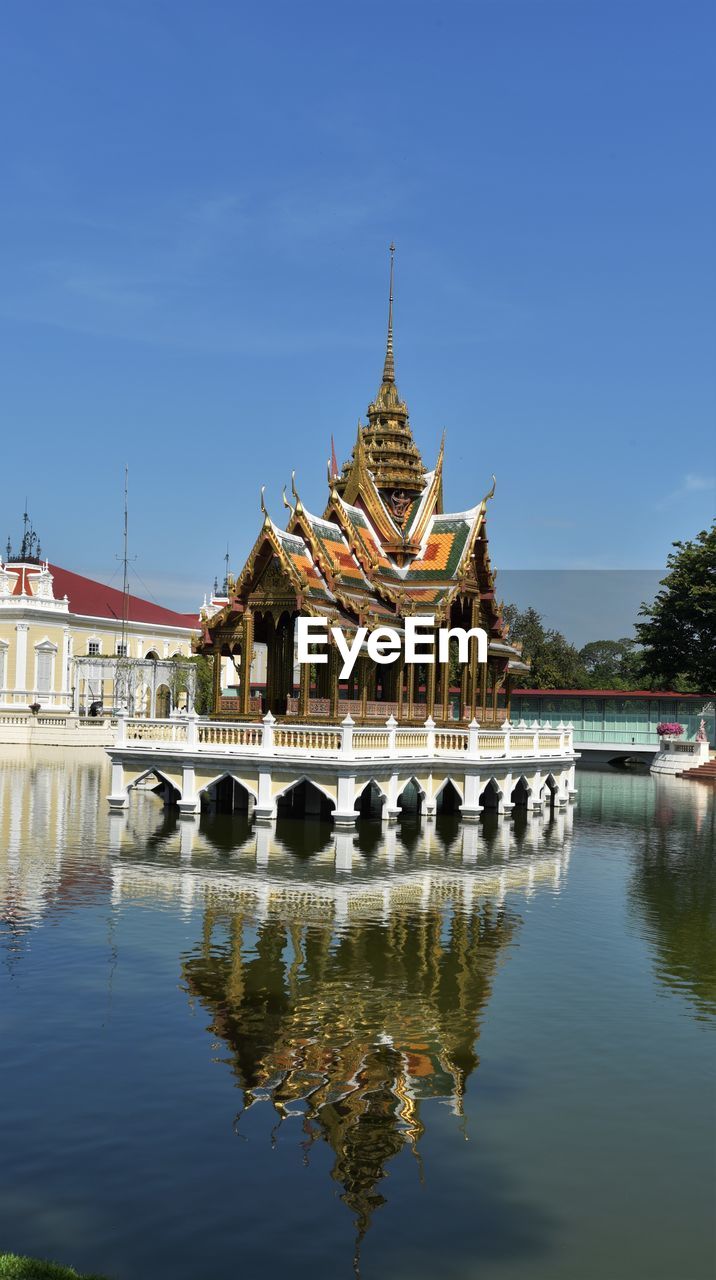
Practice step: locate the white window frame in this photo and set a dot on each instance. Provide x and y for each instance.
(42, 648)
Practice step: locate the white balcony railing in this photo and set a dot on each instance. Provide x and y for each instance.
(268, 738)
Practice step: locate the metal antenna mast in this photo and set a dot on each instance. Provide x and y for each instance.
(125, 566)
(124, 693)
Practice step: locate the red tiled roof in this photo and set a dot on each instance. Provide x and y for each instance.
(95, 600)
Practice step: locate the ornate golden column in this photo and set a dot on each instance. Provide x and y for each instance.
(399, 685)
(483, 692)
(474, 665)
(410, 710)
(445, 688)
(508, 696)
(218, 646)
(464, 682)
(430, 674)
(304, 689)
(334, 691)
(247, 654)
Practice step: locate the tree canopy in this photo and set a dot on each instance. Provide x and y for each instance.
(555, 663)
(679, 632)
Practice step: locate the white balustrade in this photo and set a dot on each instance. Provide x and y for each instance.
(189, 734)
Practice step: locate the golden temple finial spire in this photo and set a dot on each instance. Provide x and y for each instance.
(267, 518)
(389, 366)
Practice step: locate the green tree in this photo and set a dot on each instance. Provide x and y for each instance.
(204, 681)
(679, 631)
(612, 664)
(554, 662)
(204, 692)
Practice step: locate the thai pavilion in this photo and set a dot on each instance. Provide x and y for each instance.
(383, 549)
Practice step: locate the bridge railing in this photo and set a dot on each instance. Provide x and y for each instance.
(190, 735)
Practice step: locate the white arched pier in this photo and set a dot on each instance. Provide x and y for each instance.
(326, 770)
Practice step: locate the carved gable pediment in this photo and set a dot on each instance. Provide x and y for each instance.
(272, 582)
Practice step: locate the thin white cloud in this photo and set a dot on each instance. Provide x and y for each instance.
(691, 483)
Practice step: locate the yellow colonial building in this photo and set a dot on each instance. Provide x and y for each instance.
(59, 631)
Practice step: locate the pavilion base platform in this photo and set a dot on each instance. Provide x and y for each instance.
(343, 772)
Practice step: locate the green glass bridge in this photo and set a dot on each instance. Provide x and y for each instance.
(612, 724)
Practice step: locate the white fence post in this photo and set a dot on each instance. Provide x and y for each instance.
(192, 736)
(267, 736)
(505, 727)
(347, 735)
(430, 744)
(473, 738)
(120, 736)
(391, 725)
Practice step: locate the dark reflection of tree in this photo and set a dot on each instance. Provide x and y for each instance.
(674, 889)
(352, 1030)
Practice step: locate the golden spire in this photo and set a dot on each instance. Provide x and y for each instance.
(389, 366)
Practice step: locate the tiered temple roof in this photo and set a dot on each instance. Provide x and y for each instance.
(384, 547)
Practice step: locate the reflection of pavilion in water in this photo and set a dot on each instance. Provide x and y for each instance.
(349, 1003)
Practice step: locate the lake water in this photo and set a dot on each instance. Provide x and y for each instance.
(482, 1053)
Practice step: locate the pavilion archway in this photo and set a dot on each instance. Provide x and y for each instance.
(448, 800)
(304, 800)
(371, 800)
(227, 795)
(411, 799)
(162, 702)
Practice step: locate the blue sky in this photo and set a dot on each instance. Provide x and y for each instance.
(198, 200)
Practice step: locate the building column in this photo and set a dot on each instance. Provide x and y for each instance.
(304, 689)
(470, 809)
(399, 685)
(445, 688)
(189, 805)
(474, 665)
(430, 673)
(21, 630)
(483, 691)
(333, 689)
(265, 809)
(464, 674)
(247, 657)
(411, 691)
(344, 814)
(64, 689)
(117, 799)
(217, 673)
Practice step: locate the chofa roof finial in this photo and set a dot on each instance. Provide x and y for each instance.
(263, 505)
